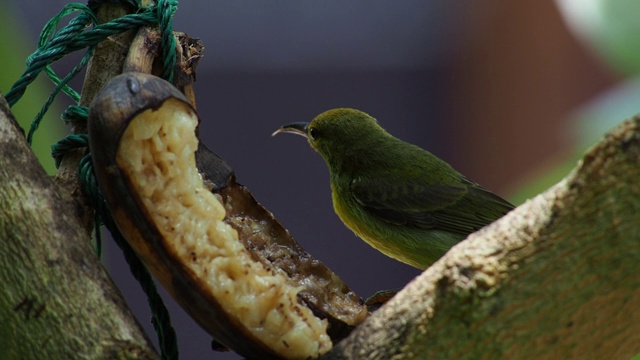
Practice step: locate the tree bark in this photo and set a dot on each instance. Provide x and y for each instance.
(57, 301)
(556, 278)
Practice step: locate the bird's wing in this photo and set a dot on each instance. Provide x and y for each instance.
(458, 208)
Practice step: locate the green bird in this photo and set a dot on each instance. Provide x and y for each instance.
(399, 198)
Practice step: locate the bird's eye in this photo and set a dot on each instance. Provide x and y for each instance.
(313, 133)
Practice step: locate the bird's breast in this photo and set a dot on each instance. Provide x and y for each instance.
(346, 207)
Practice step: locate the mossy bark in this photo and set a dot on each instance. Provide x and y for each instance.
(57, 301)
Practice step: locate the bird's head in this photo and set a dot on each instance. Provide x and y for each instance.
(339, 134)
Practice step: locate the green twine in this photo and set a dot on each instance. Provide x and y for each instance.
(84, 32)
(87, 180)
(51, 47)
(73, 37)
(61, 86)
(164, 13)
(70, 39)
(75, 113)
(71, 142)
(78, 24)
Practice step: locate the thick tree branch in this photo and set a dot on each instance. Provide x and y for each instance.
(556, 278)
(57, 301)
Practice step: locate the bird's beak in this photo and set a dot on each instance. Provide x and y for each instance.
(298, 128)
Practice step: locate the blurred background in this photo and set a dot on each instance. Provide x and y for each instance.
(509, 93)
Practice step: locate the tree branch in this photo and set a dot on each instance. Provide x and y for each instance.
(57, 301)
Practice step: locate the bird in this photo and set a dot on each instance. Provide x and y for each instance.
(399, 198)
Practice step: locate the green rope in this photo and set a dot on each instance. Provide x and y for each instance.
(71, 142)
(72, 38)
(76, 25)
(61, 85)
(75, 114)
(164, 13)
(84, 32)
(51, 47)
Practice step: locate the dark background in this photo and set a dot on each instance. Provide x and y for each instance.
(485, 85)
